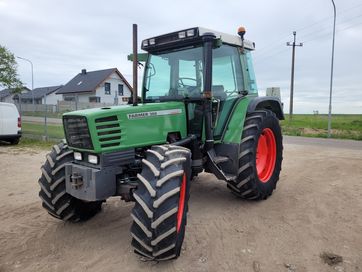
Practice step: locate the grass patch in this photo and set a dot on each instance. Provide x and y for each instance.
(38, 130)
(42, 114)
(344, 126)
(30, 143)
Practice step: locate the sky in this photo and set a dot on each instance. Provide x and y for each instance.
(61, 37)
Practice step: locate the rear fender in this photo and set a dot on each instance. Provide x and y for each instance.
(269, 103)
(234, 125)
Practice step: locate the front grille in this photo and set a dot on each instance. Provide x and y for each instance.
(77, 132)
(108, 131)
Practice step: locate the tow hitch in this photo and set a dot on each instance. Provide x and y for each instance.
(76, 180)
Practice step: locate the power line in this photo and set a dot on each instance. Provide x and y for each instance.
(313, 36)
(257, 59)
(262, 51)
(328, 18)
(328, 28)
(329, 33)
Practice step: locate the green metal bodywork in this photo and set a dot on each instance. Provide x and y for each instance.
(235, 124)
(135, 132)
(141, 57)
(150, 130)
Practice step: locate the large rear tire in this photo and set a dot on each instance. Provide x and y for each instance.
(54, 197)
(260, 158)
(159, 214)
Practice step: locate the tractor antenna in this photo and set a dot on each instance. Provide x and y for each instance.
(135, 66)
(241, 32)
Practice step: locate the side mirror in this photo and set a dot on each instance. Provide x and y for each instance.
(215, 111)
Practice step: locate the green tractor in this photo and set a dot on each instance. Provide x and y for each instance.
(199, 111)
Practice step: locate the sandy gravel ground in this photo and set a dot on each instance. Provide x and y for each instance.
(316, 208)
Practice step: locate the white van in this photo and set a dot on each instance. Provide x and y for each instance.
(10, 123)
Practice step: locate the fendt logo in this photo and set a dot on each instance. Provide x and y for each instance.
(139, 115)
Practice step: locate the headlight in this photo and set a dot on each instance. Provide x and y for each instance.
(152, 41)
(93, 159)
(182, 34)
(78, 156)
(190, 32)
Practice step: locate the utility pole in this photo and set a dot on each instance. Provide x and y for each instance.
(292, 74)
(331, 81)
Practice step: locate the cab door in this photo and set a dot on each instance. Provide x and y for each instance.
(227, 85)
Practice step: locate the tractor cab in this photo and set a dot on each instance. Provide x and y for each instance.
(196, 64)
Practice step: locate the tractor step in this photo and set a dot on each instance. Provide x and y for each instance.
(214, 160)
(220, 159)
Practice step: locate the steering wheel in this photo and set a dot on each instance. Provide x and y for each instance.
(188, 90)
(182, 84)
(230, 93)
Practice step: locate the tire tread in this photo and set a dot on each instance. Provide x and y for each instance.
(245, 185)
(153, 231)
(53, 194)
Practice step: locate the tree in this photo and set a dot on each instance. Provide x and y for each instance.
(8, 70)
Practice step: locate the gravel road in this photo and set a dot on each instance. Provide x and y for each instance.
(316, 209)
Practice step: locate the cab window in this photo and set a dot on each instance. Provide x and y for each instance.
(227, 84)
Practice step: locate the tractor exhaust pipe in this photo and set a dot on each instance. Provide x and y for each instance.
(208, 39)
(135, 66)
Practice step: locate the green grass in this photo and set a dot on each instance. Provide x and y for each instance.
(38, 130)
(30, 143)
(344, 126)
(41, 114)
(26, 142)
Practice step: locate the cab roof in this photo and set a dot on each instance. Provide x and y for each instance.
(228, 38)
(190, 36)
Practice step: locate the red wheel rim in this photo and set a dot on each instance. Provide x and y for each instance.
(181, 203)
(266, 155)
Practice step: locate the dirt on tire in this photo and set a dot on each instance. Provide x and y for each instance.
(316, 208)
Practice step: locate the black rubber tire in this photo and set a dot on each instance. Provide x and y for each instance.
(247, 184)
(54, 198)
(15, 141)
(154, 229)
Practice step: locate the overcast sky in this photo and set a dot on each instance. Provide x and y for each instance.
(62, 37)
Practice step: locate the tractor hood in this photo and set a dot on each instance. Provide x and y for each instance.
(122, 127)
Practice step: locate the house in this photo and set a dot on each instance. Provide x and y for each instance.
(9, 95)
(40, 94)
(102, 86)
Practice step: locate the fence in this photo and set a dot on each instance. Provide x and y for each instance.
(43, 121)
(64, 106)
(60, 107)
(36, 107)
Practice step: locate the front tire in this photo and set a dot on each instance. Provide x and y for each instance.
(159, 214)
(260, 157)
(54, 197)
